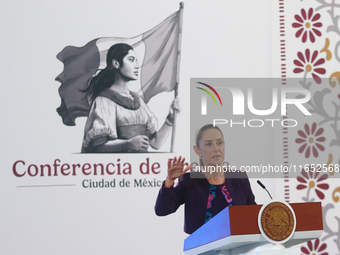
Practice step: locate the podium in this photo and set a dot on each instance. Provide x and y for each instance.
(237, 230)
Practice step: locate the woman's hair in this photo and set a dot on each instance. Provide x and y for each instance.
(202, 129)
(106, 77)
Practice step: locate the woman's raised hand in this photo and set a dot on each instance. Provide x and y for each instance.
(175, 169)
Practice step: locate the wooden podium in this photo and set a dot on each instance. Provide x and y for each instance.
(236, 230)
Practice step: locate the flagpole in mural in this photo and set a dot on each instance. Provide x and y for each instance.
(181, 6)
(157, 49)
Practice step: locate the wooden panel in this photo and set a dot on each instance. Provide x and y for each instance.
(243, 219)
(308, 216)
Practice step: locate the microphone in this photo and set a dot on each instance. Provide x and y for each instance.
(263, 187)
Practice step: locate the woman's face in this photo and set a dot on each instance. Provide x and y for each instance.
(129, 69)
(211, 147)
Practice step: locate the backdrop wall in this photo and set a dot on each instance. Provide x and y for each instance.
(63, 214)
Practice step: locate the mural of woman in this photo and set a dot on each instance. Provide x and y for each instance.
(119, 119)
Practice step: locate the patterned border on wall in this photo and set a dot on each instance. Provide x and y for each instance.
(284, 83)
(310, 40)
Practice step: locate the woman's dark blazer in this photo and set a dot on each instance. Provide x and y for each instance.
(193, 192)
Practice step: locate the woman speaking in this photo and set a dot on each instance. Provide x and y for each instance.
(203, 197)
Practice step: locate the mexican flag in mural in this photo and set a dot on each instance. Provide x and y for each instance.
(157, 50)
